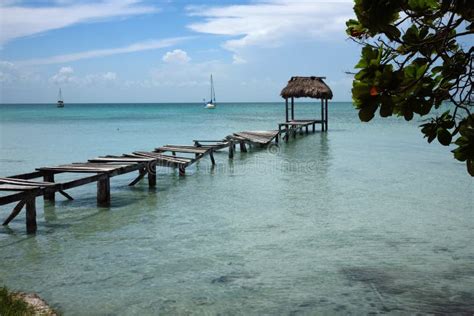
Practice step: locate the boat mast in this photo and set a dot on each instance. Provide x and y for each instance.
(60, 97)
(213, 93)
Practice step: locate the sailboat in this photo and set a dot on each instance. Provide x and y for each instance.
(60, 103)
(212, 102)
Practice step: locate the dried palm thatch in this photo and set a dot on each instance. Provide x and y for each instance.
(307, 87)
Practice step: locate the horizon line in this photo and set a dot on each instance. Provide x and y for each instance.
(178, 102)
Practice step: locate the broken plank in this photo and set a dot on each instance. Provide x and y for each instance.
(16, 210)
(67, 196)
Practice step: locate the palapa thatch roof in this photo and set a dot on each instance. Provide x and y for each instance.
(307, 87)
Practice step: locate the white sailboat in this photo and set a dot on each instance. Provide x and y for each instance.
(212, 102)
(60, 103)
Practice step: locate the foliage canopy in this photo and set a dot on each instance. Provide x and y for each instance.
(414, 60)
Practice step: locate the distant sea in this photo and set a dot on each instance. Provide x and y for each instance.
(366, 218)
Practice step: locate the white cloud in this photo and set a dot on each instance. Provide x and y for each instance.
(236, 59)
(19, 21)
(11, 73)
(109, 76)
(176, 56)
(136, 47)
(66, 75)
(271, 23)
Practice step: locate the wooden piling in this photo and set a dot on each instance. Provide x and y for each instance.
(322, 115)
(49, 195)
(151, 179)
(326, 111)
(103, 191)
(211, 155)
(292, 108)
(231, 150)
(31, 215)
(182, 171)
(242, 147)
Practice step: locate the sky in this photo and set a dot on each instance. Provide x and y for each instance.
(165, 51)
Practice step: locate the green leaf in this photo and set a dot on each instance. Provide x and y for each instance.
(420, 70)
(386, 107)
(410, 71)
(423, 5)
(392, 32)
(360, 90)
(411, 36)
(444, 137)
(437, 69)
(367, 113)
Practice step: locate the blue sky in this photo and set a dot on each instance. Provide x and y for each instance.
(164, 51)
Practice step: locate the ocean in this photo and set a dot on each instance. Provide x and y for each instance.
(366, 218)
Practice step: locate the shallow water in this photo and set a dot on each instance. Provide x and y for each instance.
(364, 218)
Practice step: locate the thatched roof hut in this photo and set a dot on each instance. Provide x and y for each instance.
(307, 87)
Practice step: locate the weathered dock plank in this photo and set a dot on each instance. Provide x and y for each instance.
(182, 149)
(259, 137)
(16, 187)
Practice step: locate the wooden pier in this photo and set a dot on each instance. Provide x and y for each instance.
(102, 169)
(23, 189)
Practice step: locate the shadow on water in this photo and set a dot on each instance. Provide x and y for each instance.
(411, 288)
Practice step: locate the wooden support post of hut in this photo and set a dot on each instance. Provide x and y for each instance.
(305, 87)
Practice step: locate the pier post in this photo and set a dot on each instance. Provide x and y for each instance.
(182, 171)
(231, 150)
(286, 107)
(49, 195)
(292, 108)
(322, 115)
(211, 155)
(242, 147)
(326, 114)
(151, 179)
(31, 215)
(103, 191)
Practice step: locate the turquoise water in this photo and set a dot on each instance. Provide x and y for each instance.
(366, 218)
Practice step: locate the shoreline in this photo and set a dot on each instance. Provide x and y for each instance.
(24, 303)
(35, 302)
